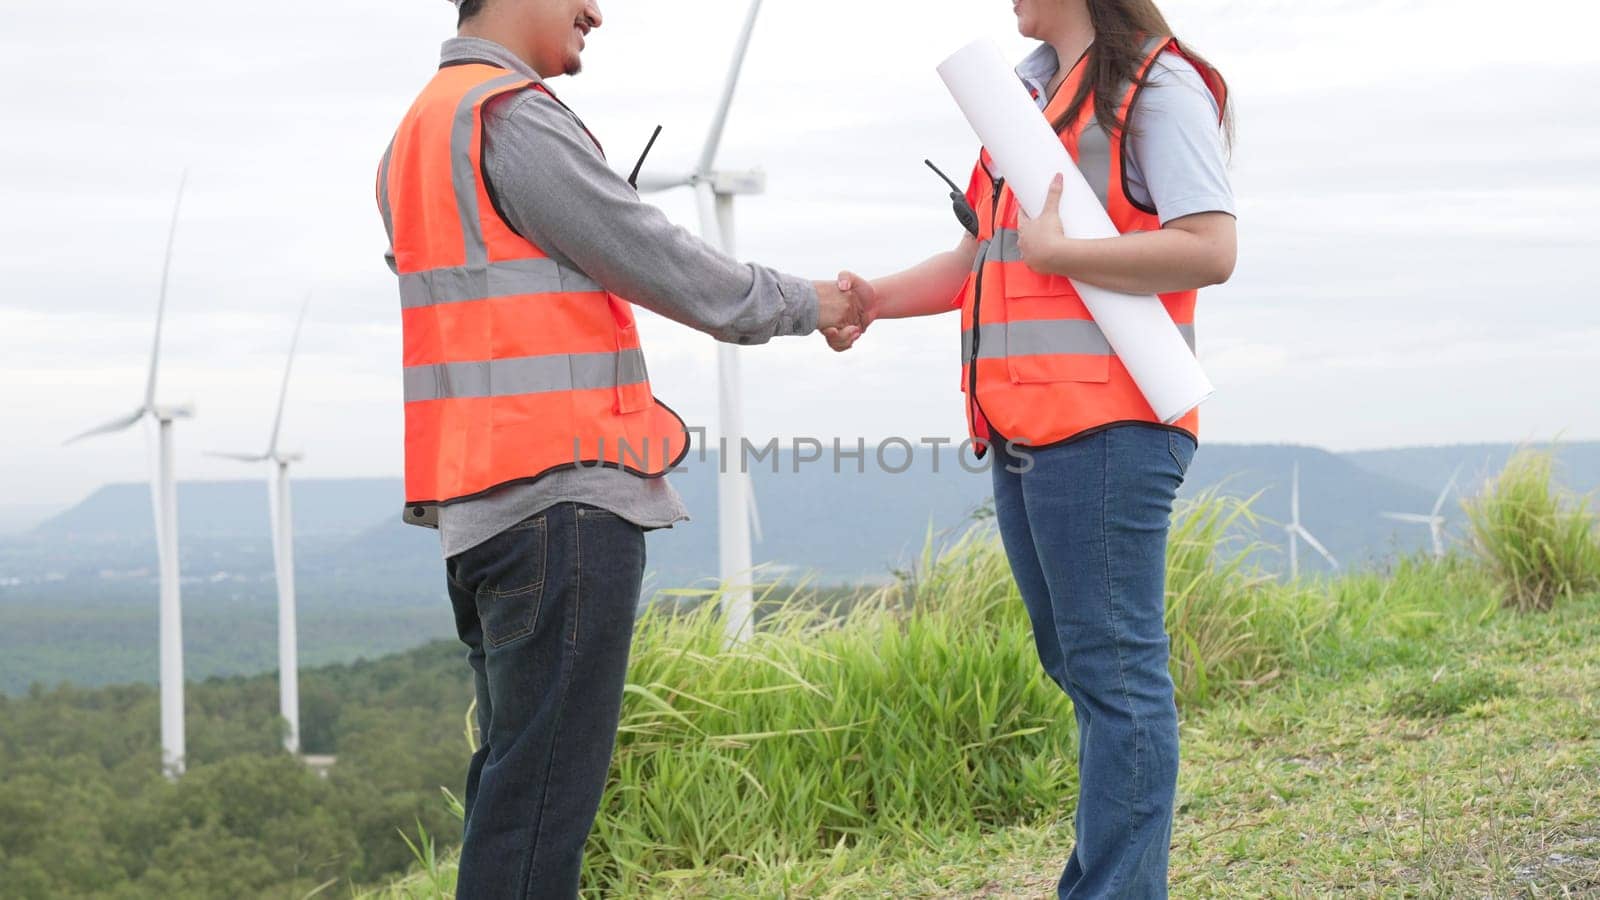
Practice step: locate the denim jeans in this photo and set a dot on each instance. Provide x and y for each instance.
(1085, 528)
(546, 610)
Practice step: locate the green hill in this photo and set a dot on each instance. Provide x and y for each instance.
(84, 812)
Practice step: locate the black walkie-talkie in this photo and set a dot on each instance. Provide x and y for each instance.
(965, 214)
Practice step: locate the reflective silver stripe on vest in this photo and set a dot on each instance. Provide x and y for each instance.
(1007, 246)
(1094, 159)
(463, 135)
(524, 375)
(1002, 248)
(501, 279)
(982, 257)
(1045, 337)
(1094, 143)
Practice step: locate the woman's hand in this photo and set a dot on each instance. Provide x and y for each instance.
(1043, 241)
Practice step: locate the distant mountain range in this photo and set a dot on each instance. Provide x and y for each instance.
(838, 525)
(80, 585)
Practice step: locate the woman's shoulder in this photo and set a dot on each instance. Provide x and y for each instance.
(1173, 73)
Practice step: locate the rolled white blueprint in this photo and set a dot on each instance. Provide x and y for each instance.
(1029, 155)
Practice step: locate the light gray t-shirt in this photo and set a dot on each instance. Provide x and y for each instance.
(1177, 164)
(556, 189)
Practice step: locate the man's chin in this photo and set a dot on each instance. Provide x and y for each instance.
(574, 65)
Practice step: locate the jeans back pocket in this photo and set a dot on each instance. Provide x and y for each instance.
(509, 596)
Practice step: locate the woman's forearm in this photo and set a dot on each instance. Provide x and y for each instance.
(928, 288)
(1190, 253)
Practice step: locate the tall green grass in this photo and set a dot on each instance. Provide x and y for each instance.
(920, 705)
(1228, 623)
(1536, 538)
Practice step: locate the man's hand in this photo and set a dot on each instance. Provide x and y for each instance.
(837, 305)
(1043, 241)
(843, 335)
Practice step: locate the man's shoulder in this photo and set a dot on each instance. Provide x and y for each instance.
(529, 100)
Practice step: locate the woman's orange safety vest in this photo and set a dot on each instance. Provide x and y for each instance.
(1036, 368)
(515, 365)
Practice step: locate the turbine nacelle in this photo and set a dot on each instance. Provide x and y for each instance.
(172, 413)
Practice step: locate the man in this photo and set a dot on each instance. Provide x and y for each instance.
(532, 439)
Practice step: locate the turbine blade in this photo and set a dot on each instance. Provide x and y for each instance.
(240, 457)
(283, 392)
(1444, 494)
(121, 424)
(708, 156)
(161, 303)
(1317, 546)
(1410, 518)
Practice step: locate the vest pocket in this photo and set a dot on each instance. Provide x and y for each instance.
(633, 386)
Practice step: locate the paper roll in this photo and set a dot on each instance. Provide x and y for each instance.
(1029, 155)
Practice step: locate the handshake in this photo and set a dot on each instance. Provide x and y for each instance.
(845, 308)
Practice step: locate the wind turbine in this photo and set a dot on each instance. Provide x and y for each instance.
(1434, 520)
(1297, 532)
(164, 500)
(714, 192)
(278, 499)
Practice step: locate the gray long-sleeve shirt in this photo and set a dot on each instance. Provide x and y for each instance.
(555, 189)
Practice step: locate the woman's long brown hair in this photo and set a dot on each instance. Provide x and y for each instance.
(1121, 28)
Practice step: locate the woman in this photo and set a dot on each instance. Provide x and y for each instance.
(1085, 475)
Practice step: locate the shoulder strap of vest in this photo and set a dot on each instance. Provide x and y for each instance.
(1069, 87)
(1212, 78)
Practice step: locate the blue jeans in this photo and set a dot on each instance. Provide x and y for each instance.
(546, 610)
(1085, 528)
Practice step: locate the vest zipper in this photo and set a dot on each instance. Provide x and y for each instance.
(977, 308)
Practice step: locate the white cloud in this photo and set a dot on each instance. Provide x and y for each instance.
(1416, 181)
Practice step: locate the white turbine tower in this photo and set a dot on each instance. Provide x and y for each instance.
(282, 512)
(1297, 531)
(164, 500)
(1434, 520)
(714, 192)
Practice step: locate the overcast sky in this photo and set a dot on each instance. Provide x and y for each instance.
(1417, 181)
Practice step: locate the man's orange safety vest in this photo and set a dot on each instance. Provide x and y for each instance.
(1035, 367)
(515, 365)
